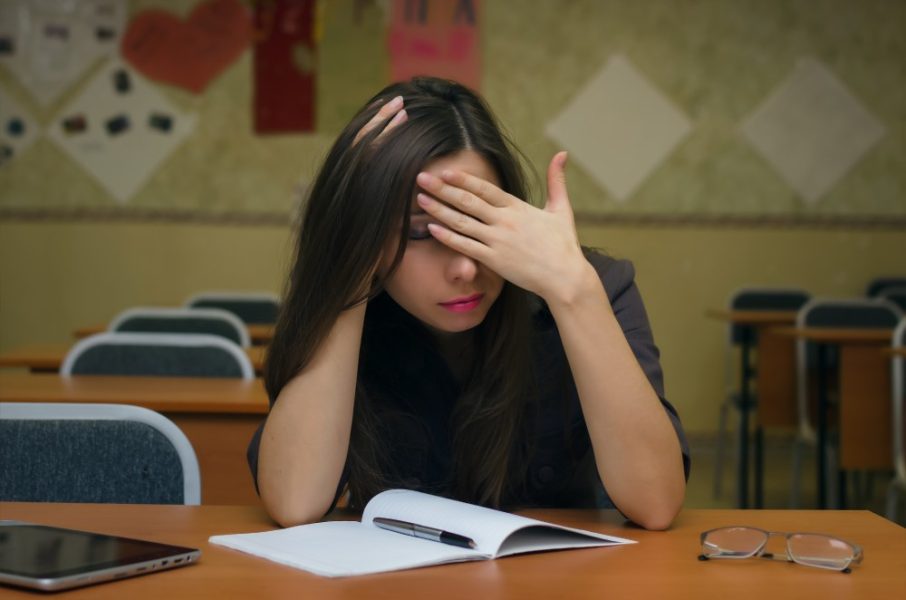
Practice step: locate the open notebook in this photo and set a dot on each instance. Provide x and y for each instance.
(343, 548)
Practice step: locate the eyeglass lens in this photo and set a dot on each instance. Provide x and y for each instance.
(736, 542)
(819, 551)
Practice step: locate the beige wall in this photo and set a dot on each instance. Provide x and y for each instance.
(56, 277)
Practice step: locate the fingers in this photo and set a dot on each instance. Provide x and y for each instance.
(461, 199)
(461, 243)
(477, 186)
(393, 108)
(557, 196)
(453, 219)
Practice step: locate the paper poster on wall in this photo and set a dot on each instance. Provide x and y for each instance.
(120, 129)
(435, 37)
(191, 52)
(286, 66)
(18, 131)
(48, 45)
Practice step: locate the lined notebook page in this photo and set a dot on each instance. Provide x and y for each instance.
(341, 548)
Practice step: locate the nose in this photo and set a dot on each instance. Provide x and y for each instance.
(461, 268)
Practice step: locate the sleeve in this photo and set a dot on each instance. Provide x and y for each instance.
(618, 278)
(251, 454)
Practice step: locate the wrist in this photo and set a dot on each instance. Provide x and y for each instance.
(579, 287)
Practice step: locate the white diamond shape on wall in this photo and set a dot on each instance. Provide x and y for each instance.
(619, 128)
(17, 129)
(119, 129)
(812, 130)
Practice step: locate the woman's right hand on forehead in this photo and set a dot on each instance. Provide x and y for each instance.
(392, 110)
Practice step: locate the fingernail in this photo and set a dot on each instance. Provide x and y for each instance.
(423, 178)
(423, 199)
(396, 102)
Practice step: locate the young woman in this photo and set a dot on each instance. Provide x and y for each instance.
(441, 334)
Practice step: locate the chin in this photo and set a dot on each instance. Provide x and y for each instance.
(459, 325)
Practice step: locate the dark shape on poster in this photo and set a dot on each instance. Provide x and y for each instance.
(121, 81)
(6, 45)
(417, 11)
(75, 124)
(6, 153)
(15, 127)
(117, 125)
(61, 32)
(466, 9)
(160, 122)
(104, 34)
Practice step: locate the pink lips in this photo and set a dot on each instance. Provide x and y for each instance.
(464, 304)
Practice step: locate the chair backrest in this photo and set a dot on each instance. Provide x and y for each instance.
(896, 294)
(764, 298)
(109, 453)
(157, 354)
(213, 321)
(260, 308)
(856, 313)
(876, 286)
(853, 313)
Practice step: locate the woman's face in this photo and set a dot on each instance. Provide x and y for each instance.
(447, 291)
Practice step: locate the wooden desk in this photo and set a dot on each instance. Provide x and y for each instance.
(218, 416)
(776, 383)
(49, 357)
(865, 409)
(260, 335)
(661, 565)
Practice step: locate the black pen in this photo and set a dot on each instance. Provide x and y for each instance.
(424, 532)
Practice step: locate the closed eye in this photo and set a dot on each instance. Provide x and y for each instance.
(418, 227)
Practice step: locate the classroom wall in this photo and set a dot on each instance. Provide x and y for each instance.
(71, 256)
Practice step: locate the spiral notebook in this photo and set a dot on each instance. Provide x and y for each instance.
(345, 548)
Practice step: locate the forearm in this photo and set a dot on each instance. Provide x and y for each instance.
(636, 448)
(306, 438)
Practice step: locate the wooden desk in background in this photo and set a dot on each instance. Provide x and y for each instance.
(49, 357)
(260, 335)
(218, 416)
(775, 378)
(864, 404)
(661, 565)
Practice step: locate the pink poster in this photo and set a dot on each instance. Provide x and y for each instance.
(435, 37)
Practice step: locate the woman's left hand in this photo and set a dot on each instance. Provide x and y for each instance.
(536, 249)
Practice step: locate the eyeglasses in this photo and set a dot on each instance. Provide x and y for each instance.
(809, 549)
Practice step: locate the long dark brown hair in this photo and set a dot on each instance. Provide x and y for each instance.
(359, 201)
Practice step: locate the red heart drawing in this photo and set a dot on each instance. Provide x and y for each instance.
(188, 53)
